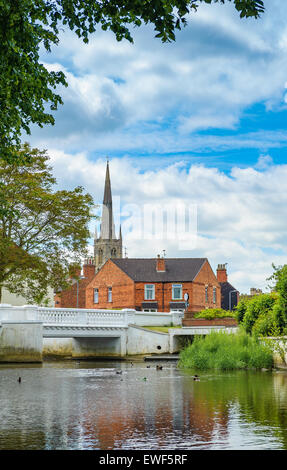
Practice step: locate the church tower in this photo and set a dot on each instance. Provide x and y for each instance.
(107, 245)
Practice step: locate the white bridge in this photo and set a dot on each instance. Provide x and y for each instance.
(72, 332)
(67, 322)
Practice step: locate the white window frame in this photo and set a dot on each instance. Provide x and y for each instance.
(150, 310)
(149, 288)
(110, 294)
(206, 294)
(176, 286)
(96, 297)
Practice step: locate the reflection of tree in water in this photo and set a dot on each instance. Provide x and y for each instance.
(260, 397)
(108, 411)
(21, 439)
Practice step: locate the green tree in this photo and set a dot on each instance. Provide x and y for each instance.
(257, 306)
(27, 88)
(43, 231)
(279, 277)
(240, 310)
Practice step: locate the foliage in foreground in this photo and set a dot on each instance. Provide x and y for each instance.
(212, 313)
(223, 351)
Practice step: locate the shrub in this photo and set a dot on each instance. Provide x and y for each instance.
(270, 323)
(279, 316)
(258, 305)
(225, 351)
(266, 314)
(240, 310)
(280, 277)
(263, 325)
(262, 315)
(212, 313)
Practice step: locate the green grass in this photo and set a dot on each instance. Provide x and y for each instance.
(161, 329)
(223, 351)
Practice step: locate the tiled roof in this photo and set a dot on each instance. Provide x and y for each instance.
(176, 269)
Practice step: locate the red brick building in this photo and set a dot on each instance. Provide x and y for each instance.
(145, 284)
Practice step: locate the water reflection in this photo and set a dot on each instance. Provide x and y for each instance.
(89, 406)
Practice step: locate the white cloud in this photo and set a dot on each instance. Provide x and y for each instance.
(218, 66)
(264, 161)
(241, 216)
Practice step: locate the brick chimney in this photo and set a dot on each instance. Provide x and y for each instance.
(89, 268)
(221, 273)
(160, 264)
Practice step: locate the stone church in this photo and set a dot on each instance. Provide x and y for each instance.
(107, 245)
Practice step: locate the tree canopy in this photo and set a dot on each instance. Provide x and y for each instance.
(43, 231)
(266, 314)
(28, 89)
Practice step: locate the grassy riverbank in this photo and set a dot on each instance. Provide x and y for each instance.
(224, 351)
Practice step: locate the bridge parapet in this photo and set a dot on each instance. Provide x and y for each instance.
(62, 317)
(87, 317)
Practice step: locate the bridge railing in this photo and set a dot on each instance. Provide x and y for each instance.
(87, 317)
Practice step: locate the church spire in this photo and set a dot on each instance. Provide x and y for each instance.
(107, 225)
(107, 245)
(108, 191)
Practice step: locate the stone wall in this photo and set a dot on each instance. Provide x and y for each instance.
(279, 348)
(21, 342)
(141, 341)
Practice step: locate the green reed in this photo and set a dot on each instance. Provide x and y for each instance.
(226, 351)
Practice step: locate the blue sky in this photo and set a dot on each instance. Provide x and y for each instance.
(200, 121)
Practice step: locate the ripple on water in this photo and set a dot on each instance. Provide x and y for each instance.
(90, 406)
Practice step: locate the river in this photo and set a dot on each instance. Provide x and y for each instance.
(122, 405)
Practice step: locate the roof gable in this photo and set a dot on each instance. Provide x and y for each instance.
(105, 270)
